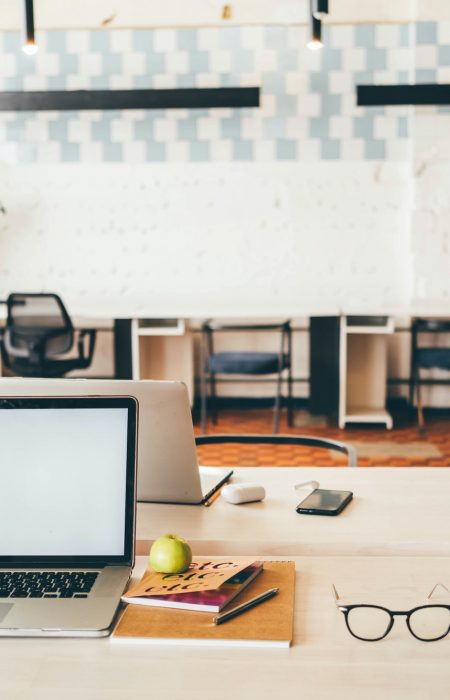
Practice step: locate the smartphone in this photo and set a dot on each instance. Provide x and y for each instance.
(325, 502)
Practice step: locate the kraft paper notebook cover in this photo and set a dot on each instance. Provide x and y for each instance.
(269, 624)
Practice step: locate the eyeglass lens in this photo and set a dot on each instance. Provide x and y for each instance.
(368, 622)
(429, 623)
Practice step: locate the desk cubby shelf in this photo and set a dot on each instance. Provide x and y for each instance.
(363, 369)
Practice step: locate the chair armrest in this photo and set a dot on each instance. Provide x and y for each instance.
(91, 334)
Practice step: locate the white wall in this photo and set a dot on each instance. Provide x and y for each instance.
(209, 239)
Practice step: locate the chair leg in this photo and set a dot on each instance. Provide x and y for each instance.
(276, 412)
(203, 391)
(420, 418)
(290, 406)
(213, 395)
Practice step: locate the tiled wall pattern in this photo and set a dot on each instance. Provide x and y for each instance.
(308, 109)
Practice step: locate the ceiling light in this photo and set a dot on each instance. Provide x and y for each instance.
(319, 8)
(30, 47)
(316, 34)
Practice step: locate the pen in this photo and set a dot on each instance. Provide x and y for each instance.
(245, 606)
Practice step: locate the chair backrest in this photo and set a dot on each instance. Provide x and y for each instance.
(37, 327)
(305, 440)
(210, 327)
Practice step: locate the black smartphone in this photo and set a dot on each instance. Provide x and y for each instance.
(325, 502)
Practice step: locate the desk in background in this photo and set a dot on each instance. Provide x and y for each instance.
(394, 512)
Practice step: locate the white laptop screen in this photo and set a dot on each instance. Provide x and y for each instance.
(64, 482)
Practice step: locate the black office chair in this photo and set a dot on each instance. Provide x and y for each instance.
(426, 357)
(38, 331)
(245, 363)
(304, 440)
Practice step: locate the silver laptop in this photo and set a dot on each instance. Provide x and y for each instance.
(168, 468)
(67, 514)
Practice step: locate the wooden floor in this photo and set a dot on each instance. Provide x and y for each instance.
(376, 446)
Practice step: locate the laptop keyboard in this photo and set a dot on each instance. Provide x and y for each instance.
(46, 584)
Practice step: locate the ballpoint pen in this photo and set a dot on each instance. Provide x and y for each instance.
(223, 617)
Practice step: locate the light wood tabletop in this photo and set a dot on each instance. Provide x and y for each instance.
(324, 661)
(394, 511)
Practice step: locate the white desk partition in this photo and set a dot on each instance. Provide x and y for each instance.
(324, 663)
(394, 512)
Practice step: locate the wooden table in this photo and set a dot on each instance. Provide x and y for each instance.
(394, 511)
(324, 662)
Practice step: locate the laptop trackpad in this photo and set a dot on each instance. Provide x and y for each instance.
(4, 610)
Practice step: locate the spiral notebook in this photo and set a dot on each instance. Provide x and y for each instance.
(267, 625)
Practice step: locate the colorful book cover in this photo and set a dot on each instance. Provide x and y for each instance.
(203, 601)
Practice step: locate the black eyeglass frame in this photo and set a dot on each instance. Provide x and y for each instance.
(346, 609)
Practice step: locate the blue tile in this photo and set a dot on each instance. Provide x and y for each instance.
(331, 105)
(318, 82)
(230, 127)
(274, 128)
(155, 62)
(99, 41)
(27, 152)
(375, 150)
(156, 151)
(403, 127)
(13, 83)
(273, 83)
(243, 150)
(287, 105)
(403, 77)
(99, 82)
(14, 130)
(275, 37)
(56, 82)
(376, 59)
(444, 55)
(363, 127)
(12, 41)
(286, 149)
(68, 63)
(230, 38)
(57, 42)
(58, 129)
(242, 60)
(227, 80)
(143, 39)
(330, 149)
(199, 61)
(365, 35)
(331, 59)
(112, 152)
(187, 129)
(112, 64)
(405, 34)
(186, 80)
(318, 127)
(425, 75)
(70, 152)
(199, 150)
(426, 32)
(144, 129)
(186, 39)
(143, 81)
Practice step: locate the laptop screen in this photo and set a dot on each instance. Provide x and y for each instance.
(65, 476)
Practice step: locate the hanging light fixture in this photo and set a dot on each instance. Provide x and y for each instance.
(30, 47)
(319, 8)
(315, 41)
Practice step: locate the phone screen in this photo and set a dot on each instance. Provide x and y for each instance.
(325, 501)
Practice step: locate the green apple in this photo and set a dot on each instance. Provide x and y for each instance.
(170, 554)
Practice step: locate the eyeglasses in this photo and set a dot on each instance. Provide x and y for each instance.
(370, 623)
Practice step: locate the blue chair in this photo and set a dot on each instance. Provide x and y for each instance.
(245, 363)
(426, 357)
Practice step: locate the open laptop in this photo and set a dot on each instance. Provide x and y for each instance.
(168, 468)
(67, 515)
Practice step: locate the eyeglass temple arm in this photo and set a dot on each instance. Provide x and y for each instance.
(335, 595)
(438, 585)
